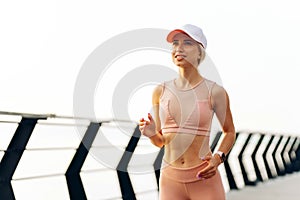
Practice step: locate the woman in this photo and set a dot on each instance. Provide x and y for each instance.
(183, 111)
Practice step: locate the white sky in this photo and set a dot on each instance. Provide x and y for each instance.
(254, 45)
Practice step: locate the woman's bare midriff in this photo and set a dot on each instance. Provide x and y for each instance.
(185, 150)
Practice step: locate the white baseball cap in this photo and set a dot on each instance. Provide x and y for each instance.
(194, 32)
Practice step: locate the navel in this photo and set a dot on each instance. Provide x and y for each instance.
(182, 161)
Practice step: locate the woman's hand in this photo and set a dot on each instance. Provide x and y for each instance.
(211, 169)
(147, 127)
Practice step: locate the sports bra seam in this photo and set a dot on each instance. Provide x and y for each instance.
(207, 134)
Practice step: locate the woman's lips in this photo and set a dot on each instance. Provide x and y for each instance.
(179, 57)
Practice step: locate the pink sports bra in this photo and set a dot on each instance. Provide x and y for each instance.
(186, 110)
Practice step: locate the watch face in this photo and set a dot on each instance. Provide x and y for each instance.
(223, 157)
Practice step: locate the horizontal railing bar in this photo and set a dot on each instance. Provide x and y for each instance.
(87, 171)
(59, 174)
(61, 124)
(146, 191)
(38, 177)
(30, 115)
(51, 149)
(12, 122)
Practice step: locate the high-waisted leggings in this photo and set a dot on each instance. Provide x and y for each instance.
(183, 184)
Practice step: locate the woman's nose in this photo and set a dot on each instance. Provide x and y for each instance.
(178, 48)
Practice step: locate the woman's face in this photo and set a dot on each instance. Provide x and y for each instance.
(185, 51)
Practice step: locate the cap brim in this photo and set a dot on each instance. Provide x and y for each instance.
(171, 35)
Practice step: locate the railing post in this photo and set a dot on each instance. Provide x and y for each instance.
(157, 165)
(230, 177)
(13, 154)
(278, 170)
(284, 151)
(253, 156)
(74, 183)
(268, 169)
(297, 162)
(240, 156)
(292, 154)
(124, 179)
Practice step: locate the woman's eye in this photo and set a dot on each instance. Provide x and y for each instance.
(188, 42)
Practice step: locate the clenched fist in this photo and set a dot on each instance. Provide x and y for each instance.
(147, 127)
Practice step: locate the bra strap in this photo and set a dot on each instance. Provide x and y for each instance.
(210, 87)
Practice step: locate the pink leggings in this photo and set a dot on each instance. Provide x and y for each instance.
(182, 184)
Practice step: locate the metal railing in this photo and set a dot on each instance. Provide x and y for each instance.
(255, 157)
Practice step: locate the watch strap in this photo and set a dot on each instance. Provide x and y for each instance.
(222, 155)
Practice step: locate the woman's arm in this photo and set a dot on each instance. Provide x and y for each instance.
(220, 104)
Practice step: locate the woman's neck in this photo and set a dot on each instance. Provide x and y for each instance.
(188, 77)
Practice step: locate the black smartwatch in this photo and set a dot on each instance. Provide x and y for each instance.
(222, 156)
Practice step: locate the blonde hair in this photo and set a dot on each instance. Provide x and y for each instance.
(202, 53)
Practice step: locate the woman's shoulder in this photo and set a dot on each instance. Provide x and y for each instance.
(214, 85)
(158, 91)
(219, 94)
(216, 89)
(160, 88)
